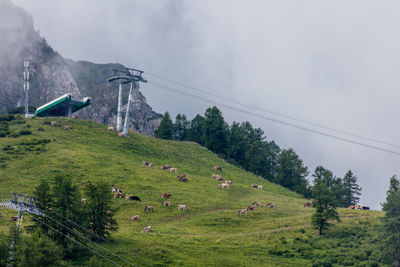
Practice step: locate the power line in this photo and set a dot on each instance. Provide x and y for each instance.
(276, 113)
(87, 239)
(275, 120)
(104, 257)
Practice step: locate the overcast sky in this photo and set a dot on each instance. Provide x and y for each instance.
(334, 63)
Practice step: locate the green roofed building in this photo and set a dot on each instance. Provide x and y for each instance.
(62, 106)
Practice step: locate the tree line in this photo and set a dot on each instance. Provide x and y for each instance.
(247, 147)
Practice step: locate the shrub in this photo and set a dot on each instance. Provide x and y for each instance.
(25, 132)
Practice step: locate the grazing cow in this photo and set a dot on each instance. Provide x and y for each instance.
(53, 123)
(66, 127)
(271, 205)
(251, 208)
(150, 165)
(75, 117)
(149, 208)
(133, 198)
(164, 195)
(166, 203)
(147, 229)
(173, 169)
(146, 163)
(364, 208)
(116, 190)
(121, 134)
(355, 207)
(118, 195)
(229, 182)
(257, 203)
(254, 185)
(224, 186)
(217, 177)
(84, 200)
(134, 218)
(182, 207)
(182, 178)
(166, 167)
(260, 187)
(308, 204)
(111, 128)
(242, 212)
(217, 168)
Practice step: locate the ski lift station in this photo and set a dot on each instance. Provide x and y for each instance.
(62, 106)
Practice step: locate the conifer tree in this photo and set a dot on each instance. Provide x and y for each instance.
(391, 222)
(45, 203)
(166, 128)
(352, 190)
(180, 127)
(325, 204)
(215, 131)
(196, 130)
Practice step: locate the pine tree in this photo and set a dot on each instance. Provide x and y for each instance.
(180, 127)
(351, 189)
(196, 130)
(391, 221)
(215, 131)
(333, 183)
(291, 172)
(166, 128)
(45, 203)
(325, 204)
(99, 211)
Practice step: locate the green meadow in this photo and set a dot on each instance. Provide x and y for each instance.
(209, 233)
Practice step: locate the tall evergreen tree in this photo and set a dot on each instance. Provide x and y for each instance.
(333, 183)
(237, 144)
(291, 172)
(352, 190)
(325, 204)
(180, 127)
(67, 205)
(215, 131)
(196, 130)
(166, 128)
(391, 222)
(98, 207)
(44, 202)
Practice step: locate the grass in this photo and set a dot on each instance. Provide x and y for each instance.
(210, 233)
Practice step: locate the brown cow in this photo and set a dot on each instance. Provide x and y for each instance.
(229, 182)
(251, 208)
(182, 178)
(164, 195)
(242, 212)
(150, 165)
(260, 187)
(74, 117)
(227, 186)
(166, 203)
(166, 167)
(146, 163)
(257, 203)
(147, 229)
(271, 205)
(173, 169)
(111, 128)
(149, 208)
(182, 207)
(118, 195)
(308, 204)
(217, 177)
(217, 168)
(66, 127)
(254, 185)
(53, 123)
(121, 134)
(134, 218)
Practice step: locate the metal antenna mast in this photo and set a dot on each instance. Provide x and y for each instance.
(20, 203)
(125, 76)
(26, 86)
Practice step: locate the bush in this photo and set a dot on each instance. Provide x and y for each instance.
(7, 117)
(25, 132)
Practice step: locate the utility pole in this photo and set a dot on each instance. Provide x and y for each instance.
(26, 87)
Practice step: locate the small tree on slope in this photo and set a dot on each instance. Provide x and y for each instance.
(325, 204)
(352, 190)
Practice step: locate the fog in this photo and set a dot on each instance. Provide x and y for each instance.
(332, 63)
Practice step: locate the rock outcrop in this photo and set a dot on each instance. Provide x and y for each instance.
(53, 75)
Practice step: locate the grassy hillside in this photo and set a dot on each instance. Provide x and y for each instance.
(210, 233)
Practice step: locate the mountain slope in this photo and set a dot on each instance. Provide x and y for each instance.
(210, 233)
(54, 75)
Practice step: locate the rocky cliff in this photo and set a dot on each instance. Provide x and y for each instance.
(53, 75)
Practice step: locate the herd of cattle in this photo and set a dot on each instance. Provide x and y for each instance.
(352, 207)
